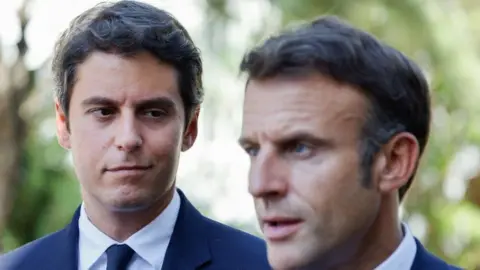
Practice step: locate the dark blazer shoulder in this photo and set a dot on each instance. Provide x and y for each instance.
(224, 237)
(57, 250)
(31, 253)
(424, 260)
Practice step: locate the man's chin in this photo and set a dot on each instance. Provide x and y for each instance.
(282, 261)
(129, 209)
(129, 206)
(288, 257)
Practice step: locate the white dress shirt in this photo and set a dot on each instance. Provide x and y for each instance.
(402, 258)
(150, 243)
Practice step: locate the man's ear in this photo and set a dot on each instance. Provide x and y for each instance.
(191, 131)
(63, 133)
(396, 162)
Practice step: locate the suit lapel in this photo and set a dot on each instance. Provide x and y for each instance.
(69, 243)
(420, 261)
(188, 248)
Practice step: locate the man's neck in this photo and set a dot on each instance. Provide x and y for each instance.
(120, 225)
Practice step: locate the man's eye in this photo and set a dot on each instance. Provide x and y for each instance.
(300, 148)
(102, 112)
(154, 113)
(252, 151)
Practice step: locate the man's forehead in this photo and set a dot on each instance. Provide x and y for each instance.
(271, 133)
(316, 91)
(114, 73)
(274, 124)
(273, 128)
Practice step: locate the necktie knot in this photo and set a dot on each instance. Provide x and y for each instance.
(118, 257)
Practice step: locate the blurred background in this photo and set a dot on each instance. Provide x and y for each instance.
(38, 190)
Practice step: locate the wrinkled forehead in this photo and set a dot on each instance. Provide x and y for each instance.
(278, 107)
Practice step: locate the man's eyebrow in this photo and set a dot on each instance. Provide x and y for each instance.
(163, 102)
(293, 137)
(98, 100)
(242, 141)
(306, 137)
(158, 102)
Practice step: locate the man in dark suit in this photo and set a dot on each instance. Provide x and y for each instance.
(334, 123)
(129, 88)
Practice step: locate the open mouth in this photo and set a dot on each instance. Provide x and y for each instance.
(282, 223)
(280, 229)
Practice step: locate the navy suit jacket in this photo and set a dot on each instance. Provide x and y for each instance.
(425, 260)
(197, 243)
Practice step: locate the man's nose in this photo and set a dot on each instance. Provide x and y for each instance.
(128, 137)
(268, 176)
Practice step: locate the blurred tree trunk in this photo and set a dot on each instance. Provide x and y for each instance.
(473, 191)
(16, 82)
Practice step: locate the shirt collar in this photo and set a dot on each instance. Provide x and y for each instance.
(404, 255)
(148, 243)
(151, 241)
(94, 241)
